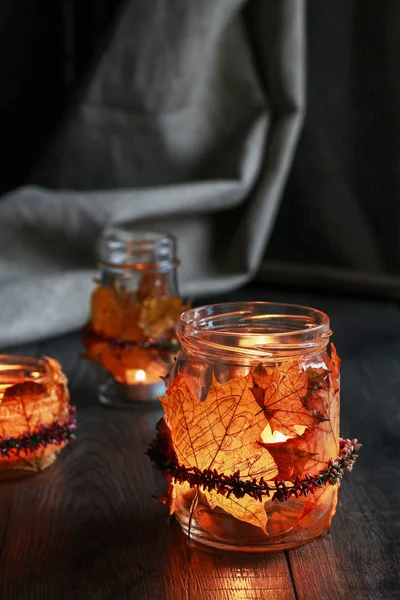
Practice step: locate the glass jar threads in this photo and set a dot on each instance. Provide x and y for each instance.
(36, 419)
(134, 311)
(250, 438)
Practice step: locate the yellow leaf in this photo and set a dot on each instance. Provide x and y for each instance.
(245, 509)
(159, 315)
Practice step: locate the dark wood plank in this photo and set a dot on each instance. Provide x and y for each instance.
(89, 528)
(360, 559)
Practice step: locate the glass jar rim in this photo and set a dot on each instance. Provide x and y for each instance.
(260, 330)
(21, 369)
(138, 249)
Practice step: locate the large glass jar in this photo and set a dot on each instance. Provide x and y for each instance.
(36, 419)
(134, 311)
(252, 423)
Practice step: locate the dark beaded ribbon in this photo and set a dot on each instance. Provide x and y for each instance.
(55, 434)
(89, 333)
(166, 461)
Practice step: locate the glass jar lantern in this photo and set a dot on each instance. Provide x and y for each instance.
(134, 310)
(36, 419)
(251, 426)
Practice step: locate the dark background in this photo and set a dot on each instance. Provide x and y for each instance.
(341, 203)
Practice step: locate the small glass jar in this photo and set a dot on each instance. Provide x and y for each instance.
(134, 311)
(36, 419)
(253, 395)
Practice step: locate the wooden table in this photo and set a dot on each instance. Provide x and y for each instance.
(88, 528)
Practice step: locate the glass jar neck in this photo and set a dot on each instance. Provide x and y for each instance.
(121, 249)
(250, 332)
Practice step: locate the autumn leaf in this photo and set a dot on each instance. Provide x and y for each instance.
(159, 316)
(214, 433)
(221, 433)
(317, 444)
(289, 458)
(26, 389)
(117, 313)
(107, 311)
(245, 509)
(333, 364)
(280, 392)
(334, 367)
(324, 499)
(318, 380)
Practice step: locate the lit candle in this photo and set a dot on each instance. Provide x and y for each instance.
(140, 376)
(141, 386)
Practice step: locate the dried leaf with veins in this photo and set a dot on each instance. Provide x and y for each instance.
(322, 499)
(280, 392)
(245, 509)
(217, 432)
(333, 363)
(220, 433)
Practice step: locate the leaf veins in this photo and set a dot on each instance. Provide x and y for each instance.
(281, 392)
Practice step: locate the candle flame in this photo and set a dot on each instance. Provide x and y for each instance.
(133, 376)
(140, 375)
(272, 438)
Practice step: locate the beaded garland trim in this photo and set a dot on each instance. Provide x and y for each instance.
(89, 333)
(166, 461)
(56, 433)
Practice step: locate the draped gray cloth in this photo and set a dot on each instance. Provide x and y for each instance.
(187, 124)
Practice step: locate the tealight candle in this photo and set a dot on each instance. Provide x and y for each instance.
(250, 438)
(141, 386)
(36, 419)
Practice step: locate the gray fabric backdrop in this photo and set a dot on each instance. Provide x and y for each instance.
(188, 124)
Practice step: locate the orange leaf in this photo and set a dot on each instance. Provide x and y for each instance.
(29, 389)
(333, 363)
(106, 312)
(334, 366)
(323, 502)
(289, 459)
(281, 391)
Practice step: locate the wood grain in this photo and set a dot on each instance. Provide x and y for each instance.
(89, 528)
